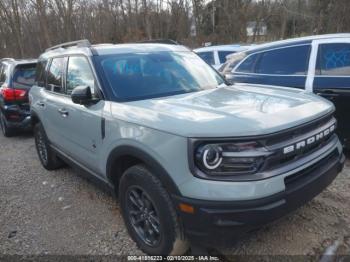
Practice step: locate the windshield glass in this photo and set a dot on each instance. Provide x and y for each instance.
(139, 76)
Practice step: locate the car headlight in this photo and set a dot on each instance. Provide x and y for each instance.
(224, 159)
(210, 156)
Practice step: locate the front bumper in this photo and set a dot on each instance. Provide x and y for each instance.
(219, 222)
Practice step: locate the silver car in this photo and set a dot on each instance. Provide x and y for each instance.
(191, 159)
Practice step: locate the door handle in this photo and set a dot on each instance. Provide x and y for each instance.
(63, 112)
(40, 104)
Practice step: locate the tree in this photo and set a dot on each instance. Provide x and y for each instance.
(28, 27)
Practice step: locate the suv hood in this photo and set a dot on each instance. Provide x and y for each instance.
(239, 110)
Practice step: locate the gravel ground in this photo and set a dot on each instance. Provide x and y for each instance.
(59, 213)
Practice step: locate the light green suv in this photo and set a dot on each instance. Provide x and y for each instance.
(192, 159)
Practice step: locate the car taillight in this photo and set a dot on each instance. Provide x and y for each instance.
(10, 94)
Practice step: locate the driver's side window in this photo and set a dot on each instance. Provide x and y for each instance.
(79, 74)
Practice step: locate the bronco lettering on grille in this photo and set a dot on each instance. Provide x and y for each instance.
(309, 141)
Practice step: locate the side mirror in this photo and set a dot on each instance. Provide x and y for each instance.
(229, 79)
(81, 95)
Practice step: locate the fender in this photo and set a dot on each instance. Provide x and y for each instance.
(156, 168)
(34, 118)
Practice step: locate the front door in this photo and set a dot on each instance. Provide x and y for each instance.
(81, 125)
(332, 80)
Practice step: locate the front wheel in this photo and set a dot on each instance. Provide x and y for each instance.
(149, 213)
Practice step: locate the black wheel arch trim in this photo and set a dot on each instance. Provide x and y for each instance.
(34, 115)
(155, 167)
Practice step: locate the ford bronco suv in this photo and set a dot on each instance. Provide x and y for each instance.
(16, 78)
(192, 159)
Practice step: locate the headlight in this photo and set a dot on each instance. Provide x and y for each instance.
(224, 159)
(210, 156)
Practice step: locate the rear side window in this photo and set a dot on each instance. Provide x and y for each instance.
(248, 65)
(24, 76)
(223, 55)
(79, 74)
(54, 75)
(40, 73)
(285, 61)
(208, 57)
(3, 71)
(333, 59)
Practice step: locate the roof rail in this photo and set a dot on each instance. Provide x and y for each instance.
(159, 41)
(7, 58)
(79, 43)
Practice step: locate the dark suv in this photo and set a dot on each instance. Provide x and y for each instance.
(319, 64)
(16, 78)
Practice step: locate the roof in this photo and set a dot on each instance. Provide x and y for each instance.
(137, 48)
(234, 48)
(105, 49)
(296, 41)
(18, 61)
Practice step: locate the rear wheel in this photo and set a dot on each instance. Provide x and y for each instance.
(46, 155)
(149, 214)
(6, 131)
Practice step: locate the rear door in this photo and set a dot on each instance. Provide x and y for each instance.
(332, 79)
(53, 99)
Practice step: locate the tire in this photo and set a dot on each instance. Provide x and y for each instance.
(6, 131)
(46, 155)
(158, 210)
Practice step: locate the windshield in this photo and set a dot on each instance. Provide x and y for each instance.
(146, 75)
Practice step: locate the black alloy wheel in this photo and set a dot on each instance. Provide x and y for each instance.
(143, 216)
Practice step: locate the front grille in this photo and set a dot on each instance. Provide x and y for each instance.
(279, 158)
(298, 131)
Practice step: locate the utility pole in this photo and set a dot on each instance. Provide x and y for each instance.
(213, 15)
